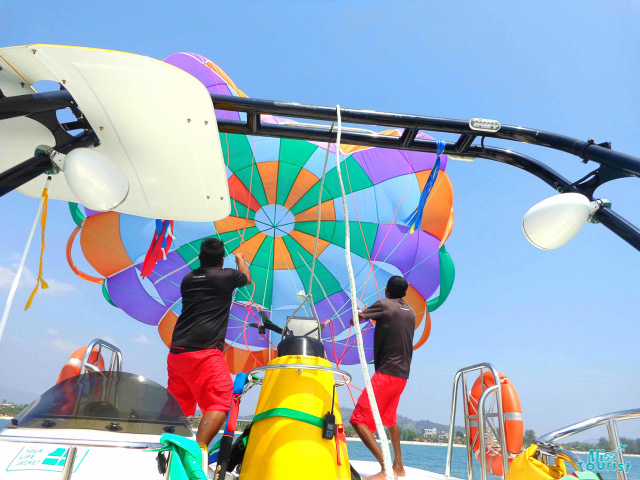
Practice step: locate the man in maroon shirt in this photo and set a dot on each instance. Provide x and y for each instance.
(197, 370)
(392, 351)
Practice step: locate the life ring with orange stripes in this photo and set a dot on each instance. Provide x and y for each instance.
(513, 424)
(74, 363)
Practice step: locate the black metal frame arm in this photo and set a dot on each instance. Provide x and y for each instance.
(612, 164)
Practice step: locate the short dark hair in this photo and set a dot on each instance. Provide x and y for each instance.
(397, 287)
(211, 252)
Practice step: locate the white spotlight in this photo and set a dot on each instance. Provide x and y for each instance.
(556, 220)
(95, 180)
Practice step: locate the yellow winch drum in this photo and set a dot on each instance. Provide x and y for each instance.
(286, 440)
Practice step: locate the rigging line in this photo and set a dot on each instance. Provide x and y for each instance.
(244, 329)
(190, 244)
(409, 176)
(348, 346)
(364, 240)
(269, 264)
(333, 344)
(395, 213)
(264, 223)
(133, 265)
(315, 247)
(421, 262)
(386, 455)
(175, 271)
(254, 166)
(285, 224)
(324, 292)
(124, 253)
(165, 301)
(238, 216)
(226, 137)
(290, 270)
(230, 343)
(279, 230)
(377, 268)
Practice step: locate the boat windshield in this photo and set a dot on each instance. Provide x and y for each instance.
(111, 401)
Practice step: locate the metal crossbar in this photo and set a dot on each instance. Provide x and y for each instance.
(612, 164)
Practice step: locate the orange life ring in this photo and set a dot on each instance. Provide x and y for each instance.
(513, 424)
(74, 363)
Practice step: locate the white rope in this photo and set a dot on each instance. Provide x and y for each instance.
(386, 454)
(16, 280)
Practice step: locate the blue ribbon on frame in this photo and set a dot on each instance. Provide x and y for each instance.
(415, 219)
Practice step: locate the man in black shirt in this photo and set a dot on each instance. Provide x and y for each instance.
(392, 351)
(197, 369)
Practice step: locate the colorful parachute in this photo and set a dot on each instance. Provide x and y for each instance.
(274, 185)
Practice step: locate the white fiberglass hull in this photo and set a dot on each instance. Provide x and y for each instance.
(44, 458)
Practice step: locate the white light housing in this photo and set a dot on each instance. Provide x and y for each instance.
(95, 180)
(556, 220)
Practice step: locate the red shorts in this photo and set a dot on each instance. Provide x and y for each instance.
(200, 377)
(387, 390)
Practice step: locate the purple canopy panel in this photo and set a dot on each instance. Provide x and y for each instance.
(327, 309)
(195, 65)
(417, 258)
(395, 245)
(348, 349)
(380, 164)
(236, 331)
(167, 277)
(421, 161)
(127, 293)
(425, 272)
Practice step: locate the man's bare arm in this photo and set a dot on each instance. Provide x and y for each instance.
(243, 267)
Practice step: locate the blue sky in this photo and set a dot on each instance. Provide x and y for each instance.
(563, 325)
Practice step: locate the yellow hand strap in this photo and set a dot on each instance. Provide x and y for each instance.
(43, 223)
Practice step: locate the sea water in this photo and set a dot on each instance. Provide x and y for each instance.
(433, 459)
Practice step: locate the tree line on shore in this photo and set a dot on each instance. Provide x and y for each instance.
(631, 446)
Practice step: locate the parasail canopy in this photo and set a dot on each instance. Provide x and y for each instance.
(274, 186)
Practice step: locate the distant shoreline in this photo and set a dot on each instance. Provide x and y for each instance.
(410, 442)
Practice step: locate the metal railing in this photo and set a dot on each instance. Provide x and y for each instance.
(493, 390)
(346, 376)
(610, 419)
(116, 356)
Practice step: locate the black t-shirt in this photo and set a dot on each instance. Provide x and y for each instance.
(206, 301)
(393, 336)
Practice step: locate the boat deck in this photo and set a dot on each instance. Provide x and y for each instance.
(366, 469)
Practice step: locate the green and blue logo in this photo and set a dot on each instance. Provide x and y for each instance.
(602, 461)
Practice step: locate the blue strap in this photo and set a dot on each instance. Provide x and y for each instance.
(239, 382)
(415, 219)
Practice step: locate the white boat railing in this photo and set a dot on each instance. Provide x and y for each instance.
(461, 377)
(608, 419)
